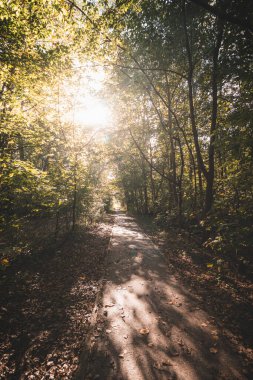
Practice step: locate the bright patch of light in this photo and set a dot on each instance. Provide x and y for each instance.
(92, 112)
(96, 78)
(81, 101)
(111, 176)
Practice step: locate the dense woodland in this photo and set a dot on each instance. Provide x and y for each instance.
(179, 81)
(144, 107)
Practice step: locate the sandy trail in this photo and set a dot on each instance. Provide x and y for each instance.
(148, 325)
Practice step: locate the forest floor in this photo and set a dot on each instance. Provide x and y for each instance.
(149, 324)
(225, 293)
(46, 302)
(157, 315)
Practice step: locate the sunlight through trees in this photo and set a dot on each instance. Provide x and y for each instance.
(158, 92)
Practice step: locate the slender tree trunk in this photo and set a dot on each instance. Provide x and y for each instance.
(180, 182)
(173, 166)
(192, 165)
(191, 98)
(211, 168)
(145, 187)
(201, 192)
(152, 184)
(56, 224)
(208, 174)
(21, 148)
(74, 204)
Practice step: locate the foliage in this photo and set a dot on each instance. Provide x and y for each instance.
(181, 85)
(46, 168)
(184, 145)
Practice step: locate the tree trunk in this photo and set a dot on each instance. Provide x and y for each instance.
(21, 148)
(210, 176)
(190, 97)
(74, 204)
(180, 183)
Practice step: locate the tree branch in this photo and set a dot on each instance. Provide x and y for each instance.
(147, 160)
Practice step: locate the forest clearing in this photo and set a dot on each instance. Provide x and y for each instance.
(126, 189)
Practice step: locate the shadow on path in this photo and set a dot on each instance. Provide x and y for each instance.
(148, 326)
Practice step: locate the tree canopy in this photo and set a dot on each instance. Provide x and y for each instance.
(178, 79)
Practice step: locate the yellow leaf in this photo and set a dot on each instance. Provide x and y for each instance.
(5, 262)
(144, 331)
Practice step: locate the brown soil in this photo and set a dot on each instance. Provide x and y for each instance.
(157, 317)
(149, 326)
(46, 303)
(221, 291)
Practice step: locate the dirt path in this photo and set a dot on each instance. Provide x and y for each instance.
(148, 326)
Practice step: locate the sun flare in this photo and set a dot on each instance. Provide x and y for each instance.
(92, 112)
(82, 103)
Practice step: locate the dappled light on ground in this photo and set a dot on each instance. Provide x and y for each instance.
(46, 301)
(148, 326)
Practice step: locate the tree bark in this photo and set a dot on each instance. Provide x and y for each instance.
(190, 97)
(211, 168)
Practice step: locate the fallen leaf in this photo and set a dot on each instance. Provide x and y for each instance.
(162, 366)
(5, 262)
(166, 363)
(144, 331)
(173, 352)
(213, 350)
(122, 354)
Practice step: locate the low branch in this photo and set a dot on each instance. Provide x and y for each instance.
(134, 68)
(147, 160)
